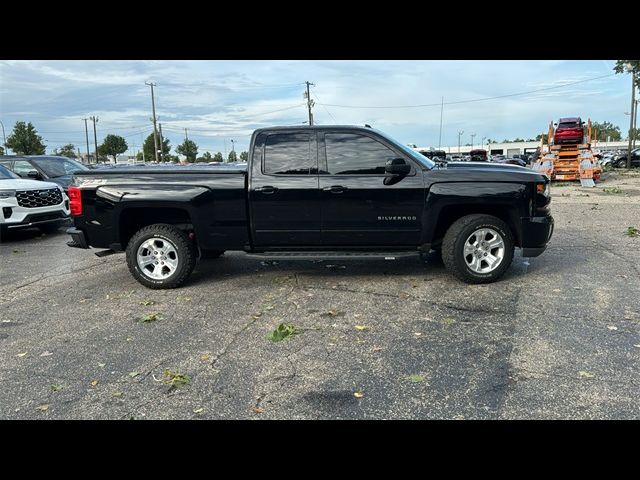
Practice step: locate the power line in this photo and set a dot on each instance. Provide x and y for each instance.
(325, 108)
(471, 101)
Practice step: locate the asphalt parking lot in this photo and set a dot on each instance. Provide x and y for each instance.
(557, 337)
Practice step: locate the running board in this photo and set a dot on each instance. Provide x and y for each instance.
(334, 255)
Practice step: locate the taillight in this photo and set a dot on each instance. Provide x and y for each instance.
(75, 201)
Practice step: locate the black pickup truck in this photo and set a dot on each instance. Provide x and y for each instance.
(314, 192)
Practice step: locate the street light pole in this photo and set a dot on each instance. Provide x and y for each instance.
(459, 135)
(631, 117)
(473, 135)
(6, 150)
(95, 135)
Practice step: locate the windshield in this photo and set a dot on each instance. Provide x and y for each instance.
(58, 167)
(6, 174)
(568, 125)
(417, 156)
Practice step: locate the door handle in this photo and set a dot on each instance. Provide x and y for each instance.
(335, 189)
(267, 189)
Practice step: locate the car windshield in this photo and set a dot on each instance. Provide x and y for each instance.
(58, 167)
(417, 156)
(6, 174)
(568, 125)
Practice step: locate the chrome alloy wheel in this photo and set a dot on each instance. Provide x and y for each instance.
(157, 258)
(484, 250)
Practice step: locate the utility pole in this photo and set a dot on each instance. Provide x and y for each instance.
(86, 134)
(95, 135)
(161, 144)
(232, 146)
(459, 135)
(631, 117)
(635, 122)
(473, 135)
(441, 111)
(155, 129)
(310, 103)
(186, 137)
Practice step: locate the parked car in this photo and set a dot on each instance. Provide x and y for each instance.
(360, 194)
(30, 203)
(478, 155)
(621, 161)
(569, 130)
(51, 168)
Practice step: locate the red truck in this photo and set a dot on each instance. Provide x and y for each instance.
(569, 130)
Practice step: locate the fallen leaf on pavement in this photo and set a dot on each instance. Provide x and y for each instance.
(258, 410)
(46, 354)
(146, 303)
(21, 354)
(134, 374)
(415, 378)
(358, 394)
(205, 357)
(56, 388)
(43, 408)
(116, 394)
(612, 327)
(198, 410)
(360, 327)
(376, 349)
(101, 365)
(94, 382)
(417, 334)
(583, 374)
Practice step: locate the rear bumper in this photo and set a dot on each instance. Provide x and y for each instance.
(78, 240)
(536, 233)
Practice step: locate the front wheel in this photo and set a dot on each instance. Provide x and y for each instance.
(160, 256)
(622, 163)
(478, 248)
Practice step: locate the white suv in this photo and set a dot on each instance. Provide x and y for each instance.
(31, 203)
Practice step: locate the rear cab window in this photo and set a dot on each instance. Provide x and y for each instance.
(289, 153)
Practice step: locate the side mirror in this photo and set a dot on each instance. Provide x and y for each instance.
(397, 166)
(34, 174)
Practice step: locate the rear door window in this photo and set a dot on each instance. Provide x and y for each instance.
(289, 154)
(22, 167)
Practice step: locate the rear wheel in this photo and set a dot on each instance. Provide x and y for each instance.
(478, 248)
(161, 256)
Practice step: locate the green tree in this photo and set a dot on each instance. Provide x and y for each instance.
(635, 135)
(1, 151)
(149, 148)
(232, 156)
(543, 137)
(205, 158)
(517, 139)
(629, 66)
(113, 145)
(69, 150)
(189, 149)
(25, 140)
(244, 156)
(601, 131)
(218, 157)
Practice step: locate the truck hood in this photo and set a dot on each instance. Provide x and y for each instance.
(20, 184)
(484, 172)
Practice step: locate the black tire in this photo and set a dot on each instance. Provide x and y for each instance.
(185, 250)
(211, 254)
(453, 247)
(622, 163)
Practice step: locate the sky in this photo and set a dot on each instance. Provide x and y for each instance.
(220, 101)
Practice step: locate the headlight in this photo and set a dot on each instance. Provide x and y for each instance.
(7, 193)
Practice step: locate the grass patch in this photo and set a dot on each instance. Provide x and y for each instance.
(282, 332)
(632, 232)
(152, 317)
(561, 184)
(612, 190)
(175, 379)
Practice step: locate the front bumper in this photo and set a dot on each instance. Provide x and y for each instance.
(38, 219)
(78, 240)
(536, 233)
